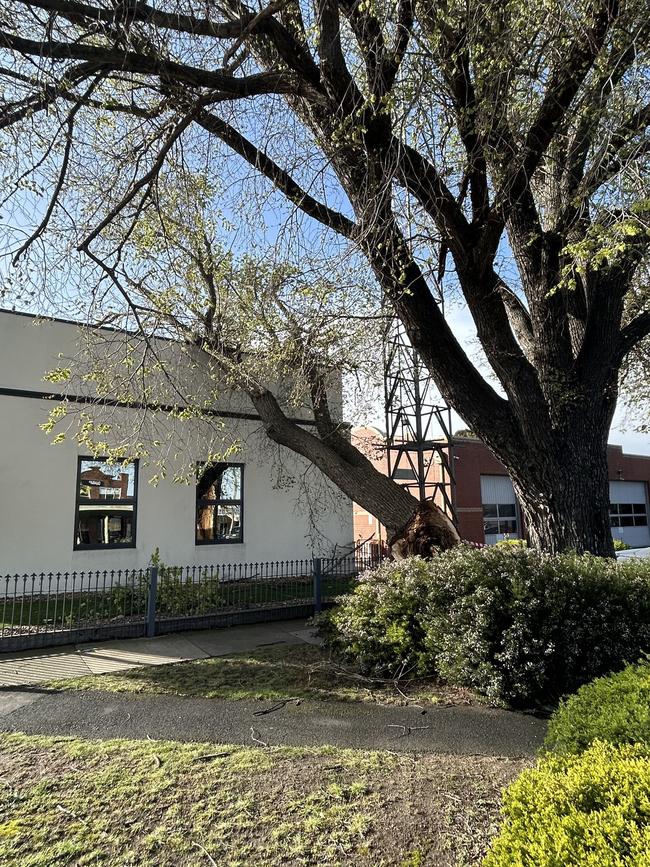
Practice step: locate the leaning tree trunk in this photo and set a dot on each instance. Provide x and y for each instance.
(413, 527)
(428, 531)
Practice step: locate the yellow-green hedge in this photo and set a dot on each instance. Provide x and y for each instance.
(615, 709)
(586, 810)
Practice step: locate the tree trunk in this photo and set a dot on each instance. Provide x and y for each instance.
(427, 532)
(564, 495)
(414, 528)
(572, 514)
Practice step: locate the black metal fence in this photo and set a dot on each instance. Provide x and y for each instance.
(46, 609)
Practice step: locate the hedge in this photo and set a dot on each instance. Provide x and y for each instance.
(517, 625)
(586, 810)
(614, 709)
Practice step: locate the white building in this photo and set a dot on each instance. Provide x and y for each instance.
(62, 509)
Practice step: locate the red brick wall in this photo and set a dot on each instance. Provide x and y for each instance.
(472, 459)
(370, 441)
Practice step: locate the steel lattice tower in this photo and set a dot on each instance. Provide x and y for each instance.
(419, 443)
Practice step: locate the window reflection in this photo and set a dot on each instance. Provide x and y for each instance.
(101, 481)
(220, 482)
(101, 525)
(219, 503)
(499, 520)
(218, 523)
(106, 502)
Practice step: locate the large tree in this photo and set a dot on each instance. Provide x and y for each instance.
(504, 142)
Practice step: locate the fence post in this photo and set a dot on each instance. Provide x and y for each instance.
(318, 592)
(151, 601)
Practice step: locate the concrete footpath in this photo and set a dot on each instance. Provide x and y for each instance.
(77, 660)
(27, 707)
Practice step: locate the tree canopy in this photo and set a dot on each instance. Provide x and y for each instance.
(495, 151)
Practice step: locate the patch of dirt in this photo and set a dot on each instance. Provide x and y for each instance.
(164, 804)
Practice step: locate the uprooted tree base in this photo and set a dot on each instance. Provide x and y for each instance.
(427, 532)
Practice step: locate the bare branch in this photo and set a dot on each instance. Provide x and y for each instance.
(564, 84)
(278, 176)
(141, 12)
(132, 61)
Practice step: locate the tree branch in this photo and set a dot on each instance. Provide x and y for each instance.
(142, 182)
(456, 66)
(132, 61)
(141, 12)
(396, 52)
(357, 477)
(633, 333)
(278, 176)
(564, 84)
(334, 71)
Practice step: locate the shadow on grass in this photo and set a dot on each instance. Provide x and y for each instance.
(272, 672)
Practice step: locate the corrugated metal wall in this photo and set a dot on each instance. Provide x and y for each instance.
(497, 489)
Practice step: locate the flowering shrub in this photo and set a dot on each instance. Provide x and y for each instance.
(515, 624)
(378, 626)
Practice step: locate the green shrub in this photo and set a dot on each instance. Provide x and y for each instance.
(512, 543)
(620, 545)
(589, 810)
(614, 709)
(515, 624)
(378, 626)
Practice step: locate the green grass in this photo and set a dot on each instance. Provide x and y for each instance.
(118, 803)
(277, 672)
(175, 598)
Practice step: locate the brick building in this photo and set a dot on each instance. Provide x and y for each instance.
(486, 505)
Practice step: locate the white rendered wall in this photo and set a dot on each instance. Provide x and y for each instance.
(38, 485)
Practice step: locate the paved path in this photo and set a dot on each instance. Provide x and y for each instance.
(27, 707)
(36, 666)
(459, 730)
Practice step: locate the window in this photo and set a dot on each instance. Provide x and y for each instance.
(106, 504)
(109, 493)
(404, 474)
(628, 515)
(500, 519)
(219, 504)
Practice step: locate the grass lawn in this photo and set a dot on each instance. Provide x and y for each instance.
(66, 802)
(276, 672)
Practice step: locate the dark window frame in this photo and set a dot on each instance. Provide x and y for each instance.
(208, 501)
(498, 519)
(132, 501)
(628, 512)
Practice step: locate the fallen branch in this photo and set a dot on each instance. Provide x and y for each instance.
(67, 812)
(406, 730)
(211, 756)
(407, 699)
(205, 852)
(283, 702)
